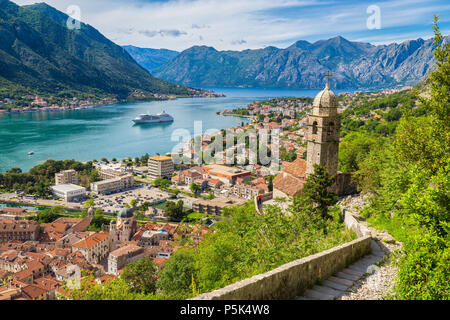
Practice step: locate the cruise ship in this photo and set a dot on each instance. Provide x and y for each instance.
(153, 118)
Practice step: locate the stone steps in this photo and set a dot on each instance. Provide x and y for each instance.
(317, 295)
(339, 283)
(334, 285)
(332, 292)
(343, 275)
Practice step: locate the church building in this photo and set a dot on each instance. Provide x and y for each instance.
(122, 229)
(323, 132)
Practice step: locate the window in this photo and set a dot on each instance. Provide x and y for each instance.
(314, 128)
(330, 128)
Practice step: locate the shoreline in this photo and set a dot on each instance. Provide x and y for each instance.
(18, 110)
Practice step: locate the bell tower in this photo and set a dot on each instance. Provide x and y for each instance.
(323, 132)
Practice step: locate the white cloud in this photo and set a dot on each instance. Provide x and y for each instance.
(224, 24)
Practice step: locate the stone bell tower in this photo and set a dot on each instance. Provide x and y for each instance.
(323, 132)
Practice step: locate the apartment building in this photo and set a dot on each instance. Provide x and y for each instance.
(113, 185)
(23, 230)
(66, 177)
(160, 167)
(214, 206)
(245, 191)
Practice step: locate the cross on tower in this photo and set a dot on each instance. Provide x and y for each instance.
(328, 75)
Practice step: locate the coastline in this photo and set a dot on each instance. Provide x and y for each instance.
(17, 110)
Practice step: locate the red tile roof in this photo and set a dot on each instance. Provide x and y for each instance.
(91, 241)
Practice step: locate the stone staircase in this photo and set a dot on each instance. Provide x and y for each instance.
(339, 284)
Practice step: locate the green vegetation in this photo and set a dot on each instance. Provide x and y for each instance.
(48, 215)
(38, 180)
(316, 191)
(178, 275)
(49, 59)
(116, 289)
(98, 221)
(175, 211)
(242, 245)
(408, 173)
(141, 276)
(162, 183)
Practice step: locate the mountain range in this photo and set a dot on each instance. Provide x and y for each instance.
(39, 52)
(302, 65)
(149, 58)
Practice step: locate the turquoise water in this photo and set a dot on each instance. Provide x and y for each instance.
(109, 132)
(10, 205)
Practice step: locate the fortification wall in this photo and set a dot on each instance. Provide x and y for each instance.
(292, 279)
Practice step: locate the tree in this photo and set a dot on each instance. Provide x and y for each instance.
(175, 211)
(195, 188)
(176, 277)
(141, 276)
(354, 148)
(88, 203)
(316, 189)
(426, 140)
(48, 215)
(98, 221)
(162, 183)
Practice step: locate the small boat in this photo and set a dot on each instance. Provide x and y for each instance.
(30, 153)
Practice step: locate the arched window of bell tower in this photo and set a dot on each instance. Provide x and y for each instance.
(314, 127)
(330, 128)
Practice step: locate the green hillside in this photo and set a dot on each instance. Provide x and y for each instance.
(38, 53)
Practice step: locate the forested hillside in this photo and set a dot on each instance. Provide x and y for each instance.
(403, 159)
(40, 54)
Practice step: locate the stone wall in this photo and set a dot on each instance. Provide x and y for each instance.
(351, 222)
(292, 279)
(345, 184)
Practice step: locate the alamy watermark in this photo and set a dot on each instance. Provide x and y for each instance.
(232, 146)
(374, 20)
(73, 21)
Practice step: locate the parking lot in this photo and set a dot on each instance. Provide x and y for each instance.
(144, 193)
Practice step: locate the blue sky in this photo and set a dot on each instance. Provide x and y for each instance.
(251, 24)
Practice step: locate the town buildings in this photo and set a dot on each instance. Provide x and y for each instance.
(122, 229)
(112, 185)
(69, 192)
(22, 230)
(118, 258)
(214, 206)
(12, 213)
(228, 175)
(160, 167)
(95, 247)
(66, 177)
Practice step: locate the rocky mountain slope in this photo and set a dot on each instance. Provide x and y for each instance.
(151, 59)
(303, 64)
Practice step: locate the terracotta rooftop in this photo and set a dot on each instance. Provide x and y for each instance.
(297, 168)
(91, 241)
(288, 184)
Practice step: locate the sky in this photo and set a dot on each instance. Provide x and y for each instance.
(253, 24)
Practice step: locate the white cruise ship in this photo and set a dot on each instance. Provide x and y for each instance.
(153, 118)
